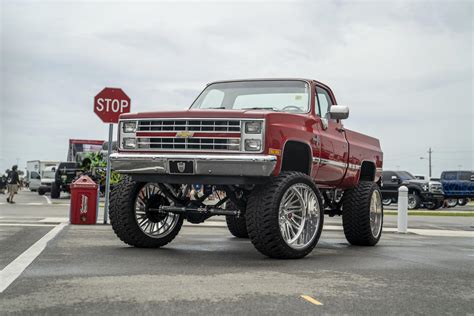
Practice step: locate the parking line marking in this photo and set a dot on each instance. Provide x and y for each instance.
(47, 199)
(311, 300)
(13, 270)
(26, 224)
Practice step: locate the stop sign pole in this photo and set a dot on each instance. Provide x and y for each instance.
(108, 105)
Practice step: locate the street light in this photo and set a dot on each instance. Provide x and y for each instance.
(429, 160)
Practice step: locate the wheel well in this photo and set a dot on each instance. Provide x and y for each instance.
(367, 171)
(296, 157)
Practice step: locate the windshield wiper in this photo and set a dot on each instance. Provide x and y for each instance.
(260, 108)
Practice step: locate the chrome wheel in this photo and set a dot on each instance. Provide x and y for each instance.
(154, 224)
(452, 202)
(411, 202)
(299, 216)
(386, 202)
(375, 213)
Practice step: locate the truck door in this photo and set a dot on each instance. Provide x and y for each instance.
(334, 153)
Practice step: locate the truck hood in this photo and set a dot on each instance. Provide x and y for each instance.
(421, 182)
(196, 113)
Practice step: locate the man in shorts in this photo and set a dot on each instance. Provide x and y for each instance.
(13, 184)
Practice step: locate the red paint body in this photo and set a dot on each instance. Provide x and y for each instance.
(343, 148)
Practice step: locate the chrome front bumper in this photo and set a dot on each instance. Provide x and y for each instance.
(209, 165)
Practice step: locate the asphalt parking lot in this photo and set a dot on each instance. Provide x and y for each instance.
(87, 270)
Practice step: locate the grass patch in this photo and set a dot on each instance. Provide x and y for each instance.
(433, 213)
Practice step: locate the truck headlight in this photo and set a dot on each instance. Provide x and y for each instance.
(253, 127)
(253, 144)
(130, 143)
(129, 126)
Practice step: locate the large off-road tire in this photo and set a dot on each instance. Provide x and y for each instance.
(362, 214)
(237, 225)
(414, 201)
(131, 220)
(55, 191)
(285, 216)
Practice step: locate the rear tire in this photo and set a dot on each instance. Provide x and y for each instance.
(362, 214)
(131, 220)
(386, 202)
(285, 217)
(55, 191)
(237, 225)
(462, 202)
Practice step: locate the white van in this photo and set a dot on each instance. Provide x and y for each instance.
(35, 169)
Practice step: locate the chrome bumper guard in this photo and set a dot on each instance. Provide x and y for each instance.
(218, 165)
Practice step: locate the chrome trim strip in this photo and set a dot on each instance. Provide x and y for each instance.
(336, 163)
(354, 166)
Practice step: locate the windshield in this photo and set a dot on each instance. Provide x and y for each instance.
(404, 175)
(275, 95)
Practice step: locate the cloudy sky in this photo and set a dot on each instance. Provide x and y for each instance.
(405, 68)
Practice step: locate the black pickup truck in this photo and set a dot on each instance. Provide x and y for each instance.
(420, 192)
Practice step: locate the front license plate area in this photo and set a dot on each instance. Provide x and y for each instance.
(181, 167)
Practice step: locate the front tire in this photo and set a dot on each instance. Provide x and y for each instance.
(132, 220)
(462, 202)
(451, 203)
(55, 191)
(362, 214)
(285, 216)
(414, 201)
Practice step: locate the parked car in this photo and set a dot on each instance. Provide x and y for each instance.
(47, 178)
(278, 150)
(420, 192)
(458, 187)
(34, 171)
(65, 174)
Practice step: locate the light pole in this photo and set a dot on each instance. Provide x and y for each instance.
(429, 160)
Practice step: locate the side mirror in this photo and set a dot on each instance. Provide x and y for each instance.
(339, 112)
(394, 179)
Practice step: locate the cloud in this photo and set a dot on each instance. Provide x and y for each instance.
(404, 67)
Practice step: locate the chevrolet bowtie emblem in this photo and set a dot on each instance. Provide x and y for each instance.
(184, 134)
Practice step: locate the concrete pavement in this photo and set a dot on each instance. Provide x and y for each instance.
(88, 270)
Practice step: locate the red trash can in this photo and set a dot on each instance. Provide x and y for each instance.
(84, 201)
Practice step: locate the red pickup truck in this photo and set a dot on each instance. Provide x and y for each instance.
(272, 155)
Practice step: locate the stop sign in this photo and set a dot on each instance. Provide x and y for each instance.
(110, 103)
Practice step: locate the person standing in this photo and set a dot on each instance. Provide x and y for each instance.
(13, 183)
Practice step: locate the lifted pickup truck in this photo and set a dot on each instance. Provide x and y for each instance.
(272, 155)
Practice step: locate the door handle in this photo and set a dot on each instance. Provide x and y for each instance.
(315, 140)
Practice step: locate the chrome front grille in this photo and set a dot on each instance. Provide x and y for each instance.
(190, 125)
(436, 188)
(189, 143)
(189, 135)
